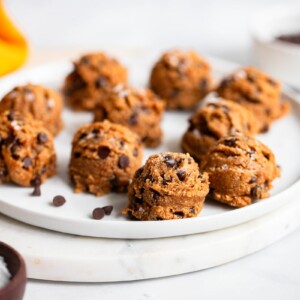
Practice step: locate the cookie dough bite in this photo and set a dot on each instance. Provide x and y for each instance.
(241, 170)
(182, 79)
(104, 158)
(215, 120)
(93, 75)
(41, 103)
(27, 155)
(138, 109)
(256, 91)
(169, 186)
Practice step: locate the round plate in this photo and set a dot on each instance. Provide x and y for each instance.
(75, 216)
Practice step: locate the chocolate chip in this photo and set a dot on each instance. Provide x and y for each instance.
(96, 131)
(84, 60)
(77, 154)
(133, 119)
(123, 162)
(138, 200)
(10, 116)
(122, 144)
(139, 172)
(170, 161)
(135, 152)
(35, 181)
(27, 162)
(231, 142)
(181, 175)
(108, 209)
(166, 181)
(10, 139)
(265, 128)
(203, 84)
(266, 155)
(58, 200)
(82, 136)
(155, 195)
(42, 138)
(100, 82)
(98, 213)
(253, 179)
(36, 191)
(14, 148)
(192, 210)
(103, 152)
(179, 214)
(255, 191)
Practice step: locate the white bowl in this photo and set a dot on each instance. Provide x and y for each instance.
(279, 59)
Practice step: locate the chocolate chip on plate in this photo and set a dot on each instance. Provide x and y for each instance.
(108, 209)
(123, 162)
(58, 200)
(98, 213)
(36, 191)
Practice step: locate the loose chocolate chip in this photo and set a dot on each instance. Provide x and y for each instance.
(133, 119)
(103, 152)
(77, 154)
(36, 191)
(58, 200)
(98, 213)
(27, 162)
(203, 84)
(123, 162)
(170, 161)
(253, 179)
(10, 116)
(135, 152)
(181, 175)
(108, 209)
(231, 142)
(42, 138)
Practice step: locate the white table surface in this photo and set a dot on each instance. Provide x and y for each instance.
(217, 27)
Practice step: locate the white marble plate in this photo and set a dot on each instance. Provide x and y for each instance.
(75, 216)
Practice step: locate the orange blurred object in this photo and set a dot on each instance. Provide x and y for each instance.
(13, 46)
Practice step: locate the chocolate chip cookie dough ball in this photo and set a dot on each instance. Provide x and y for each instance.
(182, 79)
(41, 103)
(93, 75)
(169, 186)
(138, 109)
(256, 91)
(241, 169)
(27, 155)
(104, 158)
(215, 120)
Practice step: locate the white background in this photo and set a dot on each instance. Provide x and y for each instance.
(212, 26)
